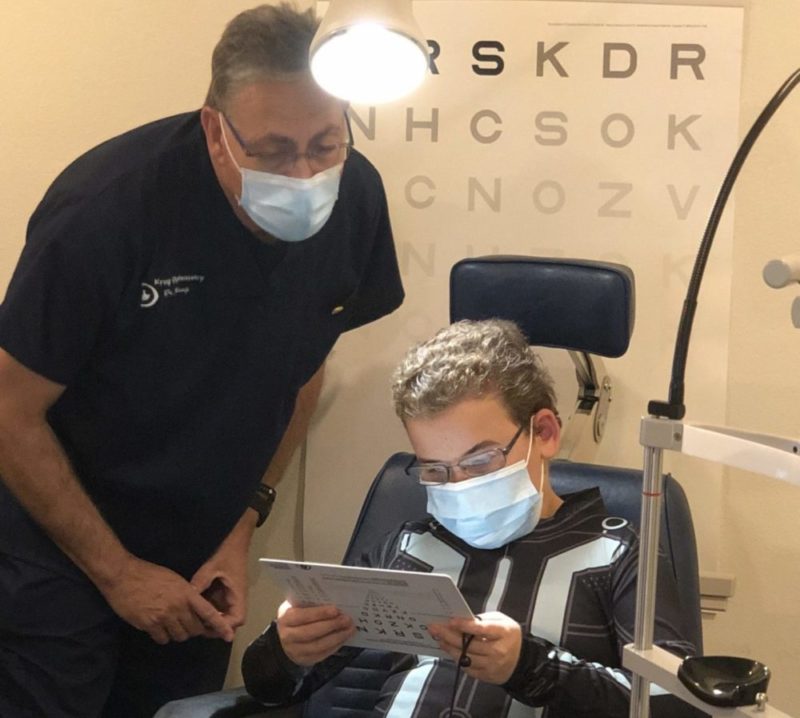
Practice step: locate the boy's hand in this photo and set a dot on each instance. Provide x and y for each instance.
(493, 652)
(309, 635)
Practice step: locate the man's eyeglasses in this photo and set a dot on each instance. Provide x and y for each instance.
(473, 465)
(320, 156)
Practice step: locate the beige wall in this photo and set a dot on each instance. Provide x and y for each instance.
(759, 541)
(73, 74)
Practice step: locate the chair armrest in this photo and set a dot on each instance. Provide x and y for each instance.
(232, 703)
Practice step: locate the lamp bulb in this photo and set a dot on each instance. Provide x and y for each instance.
(369, 64)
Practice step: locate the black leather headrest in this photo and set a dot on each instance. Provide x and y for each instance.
(566, 303)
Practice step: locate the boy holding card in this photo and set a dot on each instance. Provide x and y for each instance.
(551, 578)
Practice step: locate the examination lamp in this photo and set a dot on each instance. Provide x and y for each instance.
(369, 51)
(674, 408)
(662, 430)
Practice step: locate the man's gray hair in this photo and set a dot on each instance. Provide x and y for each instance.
(470, 360)
(269, 42)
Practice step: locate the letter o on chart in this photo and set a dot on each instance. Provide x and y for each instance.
(549, 197)
(629, 132)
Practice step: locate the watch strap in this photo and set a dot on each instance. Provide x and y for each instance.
(262, 502)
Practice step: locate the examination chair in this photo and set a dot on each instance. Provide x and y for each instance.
(581, 306)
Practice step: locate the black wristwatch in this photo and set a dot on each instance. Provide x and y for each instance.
(262, 502)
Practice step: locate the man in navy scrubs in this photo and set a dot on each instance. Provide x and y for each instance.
(161, 349)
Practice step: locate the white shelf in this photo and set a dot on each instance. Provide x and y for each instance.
(661, 667)
(775, 456)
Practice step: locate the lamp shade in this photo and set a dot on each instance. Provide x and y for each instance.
(369, 51)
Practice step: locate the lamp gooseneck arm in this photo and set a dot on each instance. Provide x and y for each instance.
(675, 408)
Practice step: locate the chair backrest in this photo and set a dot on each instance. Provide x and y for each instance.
(583, 306)
(393, 498)
(575, 304)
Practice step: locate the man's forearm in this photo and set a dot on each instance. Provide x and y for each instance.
(242, 532)
(297, 429)
(35, 468)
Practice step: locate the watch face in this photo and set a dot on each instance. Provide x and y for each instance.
(267, 493)
(262, 502)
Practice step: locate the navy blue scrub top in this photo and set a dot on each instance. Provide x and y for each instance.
(181, 338)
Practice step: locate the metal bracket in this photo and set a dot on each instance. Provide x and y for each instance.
(660, 433)
(603, 402)
(594, 398)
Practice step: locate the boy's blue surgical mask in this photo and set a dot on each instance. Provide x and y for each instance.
(288, 208)
(492, 510)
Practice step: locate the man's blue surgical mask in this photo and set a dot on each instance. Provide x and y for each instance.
(489, 511)
(288, 208)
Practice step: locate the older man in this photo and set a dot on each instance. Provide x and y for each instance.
(161, 349)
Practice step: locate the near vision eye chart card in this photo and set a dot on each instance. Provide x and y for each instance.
(390, 609)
